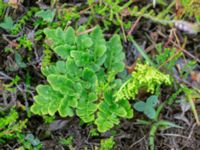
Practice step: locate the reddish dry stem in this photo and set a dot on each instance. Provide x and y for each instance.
(134, 26)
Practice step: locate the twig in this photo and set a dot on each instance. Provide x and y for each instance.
(137, 141)
(6, 77)
(13, 44)
(174, 135)
(134, 26)
(171, 37)
(87, 31)
(122, 27)
(189, 136)
(84, 10)
(169, 59)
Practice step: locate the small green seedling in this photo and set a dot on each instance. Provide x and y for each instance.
(7, 24)
(10, 127)
(107, 144)
(46, 15)
(93, 132)
(148, 107)
(66, 141)
(25, 43)
(28, 142)
(19, 61)
(34, 141)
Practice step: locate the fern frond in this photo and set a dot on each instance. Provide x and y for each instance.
(110, 111)
(76, 84)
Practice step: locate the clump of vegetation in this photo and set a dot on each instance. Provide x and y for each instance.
(79, 83)
(84, 81)
(144, 77)
(167, 57)
(190, 8)
(107, 144)
(19, 25)
(70, 77)
(9, 126)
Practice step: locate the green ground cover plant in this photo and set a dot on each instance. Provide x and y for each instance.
(107, 144)
(9, 126)
(66, 83)
(7, 24)
(148, 107)
(144, 77)
(83, 81)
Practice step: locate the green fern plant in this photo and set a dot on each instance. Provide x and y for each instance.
(83, 82)
(144, 77)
